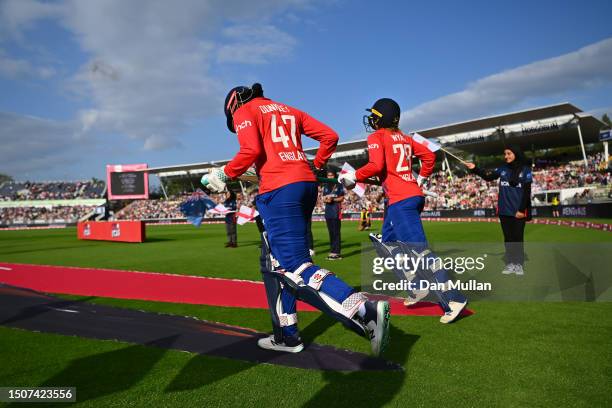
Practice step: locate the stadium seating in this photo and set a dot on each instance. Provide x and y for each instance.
(42, 215)
(57, 202)
(59, 190)
(459, 192)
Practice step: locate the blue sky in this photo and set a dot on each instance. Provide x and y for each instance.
(88, 83)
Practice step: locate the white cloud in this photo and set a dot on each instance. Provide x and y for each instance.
(32, 144)
(149, 63)
(17, 15)
(585, 68)
(599, 112)
(158, 142)
(150, 60)
(15, 68)
(255, 44)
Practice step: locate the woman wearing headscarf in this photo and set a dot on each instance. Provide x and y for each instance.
(513, 205)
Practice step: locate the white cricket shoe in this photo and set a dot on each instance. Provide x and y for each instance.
(518, 269)
(455, 310)
(415, 297)
(268, 343)
(379, 327)
(509, 269)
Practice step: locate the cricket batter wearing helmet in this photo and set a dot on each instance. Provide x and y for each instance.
(390, 158)
(269, 133)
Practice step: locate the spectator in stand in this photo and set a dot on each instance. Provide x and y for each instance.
(12, 191)
(42, 215)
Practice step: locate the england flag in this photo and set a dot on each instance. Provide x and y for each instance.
(433, 147)
(246, 214)
(359, 187)
(220, 209)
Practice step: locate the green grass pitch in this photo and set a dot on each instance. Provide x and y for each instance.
(507, 354)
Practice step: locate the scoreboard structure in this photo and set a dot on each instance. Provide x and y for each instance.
(127, 181)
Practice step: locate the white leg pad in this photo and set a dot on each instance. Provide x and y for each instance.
(285, 319)
(316, 280)
(351, 304)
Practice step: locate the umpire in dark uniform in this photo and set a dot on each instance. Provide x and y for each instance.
(333, 196)
(514, 203)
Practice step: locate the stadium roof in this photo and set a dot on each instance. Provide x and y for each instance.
(185, 169)
(501, 120)
(544, 127)
(538, 128)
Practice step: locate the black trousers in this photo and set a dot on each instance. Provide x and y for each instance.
(333, 227)
(514, 236)
(230, 229)
(260, 224)
(309, 232)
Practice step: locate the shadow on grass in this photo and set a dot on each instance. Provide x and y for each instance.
(202, 371)
(46, 249)
(205, 370)
(351, 253)
(316, 328)
(362, 388)
(320, 246)
(159, 239)
(249, 243)
(107, 373)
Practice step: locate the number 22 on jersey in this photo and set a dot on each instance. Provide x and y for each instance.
(403, 160)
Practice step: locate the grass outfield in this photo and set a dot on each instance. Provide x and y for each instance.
(507, 354)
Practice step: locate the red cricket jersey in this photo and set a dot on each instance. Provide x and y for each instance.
(390, 158)
(270, 136)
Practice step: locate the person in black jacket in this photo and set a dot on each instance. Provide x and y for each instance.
(514, 203)
(333, 196)
(230, 220)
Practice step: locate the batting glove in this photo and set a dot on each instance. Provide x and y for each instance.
(421, 180)
(215, 180)
(348, 180)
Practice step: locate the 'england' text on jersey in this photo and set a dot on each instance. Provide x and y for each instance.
(273, 107)
(292, 156)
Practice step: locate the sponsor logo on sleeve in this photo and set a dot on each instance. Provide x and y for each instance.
(243, 125)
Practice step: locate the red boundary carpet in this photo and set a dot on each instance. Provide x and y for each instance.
(162, 287)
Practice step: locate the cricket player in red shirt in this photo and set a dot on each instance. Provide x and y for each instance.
(390, 158)
(270, 135)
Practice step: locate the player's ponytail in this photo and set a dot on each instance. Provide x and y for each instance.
(257, 90)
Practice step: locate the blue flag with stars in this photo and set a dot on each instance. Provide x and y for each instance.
(196, 206)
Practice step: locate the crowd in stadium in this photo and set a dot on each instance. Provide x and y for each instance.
(150, 209)
(58, 190)
(571, 175)
(457, 192)
(469, 191)
(44, 215)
